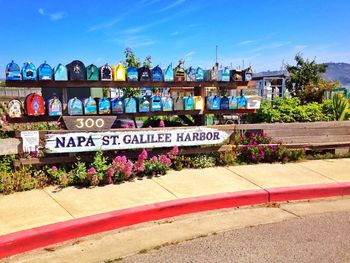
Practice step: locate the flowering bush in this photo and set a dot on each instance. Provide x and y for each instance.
(157, 165)
(121, 169)
(259, 148)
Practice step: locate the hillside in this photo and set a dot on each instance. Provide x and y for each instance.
(338, 71)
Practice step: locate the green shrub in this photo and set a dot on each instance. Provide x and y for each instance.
(340, 107)
(100, 163)
(21, 180)
(290, 110)
(203, 161)
(227, 158)
(6, 163)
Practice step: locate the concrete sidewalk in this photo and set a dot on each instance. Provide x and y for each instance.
(35, 208)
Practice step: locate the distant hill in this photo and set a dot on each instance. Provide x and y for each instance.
(335, 71)
(338, 71)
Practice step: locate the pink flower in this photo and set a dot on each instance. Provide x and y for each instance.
(164, 160)
(54, 168)
(109, 180)
(161, 123)
(139, 166)
(34, 153)
(127, 169)
(110, 172)
(143, 155)
(173, 152)
(154, 159)
(91, 170)
(4, 119)
(120, 159)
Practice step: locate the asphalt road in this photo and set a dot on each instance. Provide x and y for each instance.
(315, 238)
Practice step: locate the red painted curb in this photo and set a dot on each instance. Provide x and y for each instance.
(26, 240)
(308, 192)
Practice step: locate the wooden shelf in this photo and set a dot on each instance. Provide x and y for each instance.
(46, 118)
(43, 118)
(229, 111)
(121, 84)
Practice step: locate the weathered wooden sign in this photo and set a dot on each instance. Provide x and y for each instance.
(133, 139)
(88, 123)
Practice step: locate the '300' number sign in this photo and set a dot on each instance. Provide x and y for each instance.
(88, 122)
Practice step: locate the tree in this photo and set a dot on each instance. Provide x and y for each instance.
(131, 61)
(306, 80)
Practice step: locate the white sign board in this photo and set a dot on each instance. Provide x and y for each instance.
(133, 139)
(30, 140)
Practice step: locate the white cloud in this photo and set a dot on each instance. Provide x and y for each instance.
(41, 11)
(176, 3)
(272, 45)
(104, 25)
(53, 16)
(300, 47)
(245, 42)
(134, 41)
(57, 16)
(189, 54)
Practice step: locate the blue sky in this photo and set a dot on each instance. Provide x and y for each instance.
(262, 33)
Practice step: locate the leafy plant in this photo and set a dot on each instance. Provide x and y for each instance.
(21, 180)
(6, 163)
(100, 163)
(78, 174)
(291, 110)
(157, 165)
(58, 175)
(131, 61)
(227, 158)
(306, 81)
(203, 161)
(340, 106)
(259, 148)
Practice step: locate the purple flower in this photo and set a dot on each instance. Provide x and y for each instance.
(164, 160)
(54, 168)
(110, 172)
(91, 170)
(109, 180)
(161, 123)
(143, 155)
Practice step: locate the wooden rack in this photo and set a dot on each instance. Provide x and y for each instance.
(121, 84)
(199, 90)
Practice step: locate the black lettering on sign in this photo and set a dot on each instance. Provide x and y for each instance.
(114, 137)
(127, 139)
(168, 137)
(135, 140)
(216, 135)
(81, 139)
(71, 142)
(180, 137)
(60, 142)
(105, 140)
(195, 136)
(90, 142)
